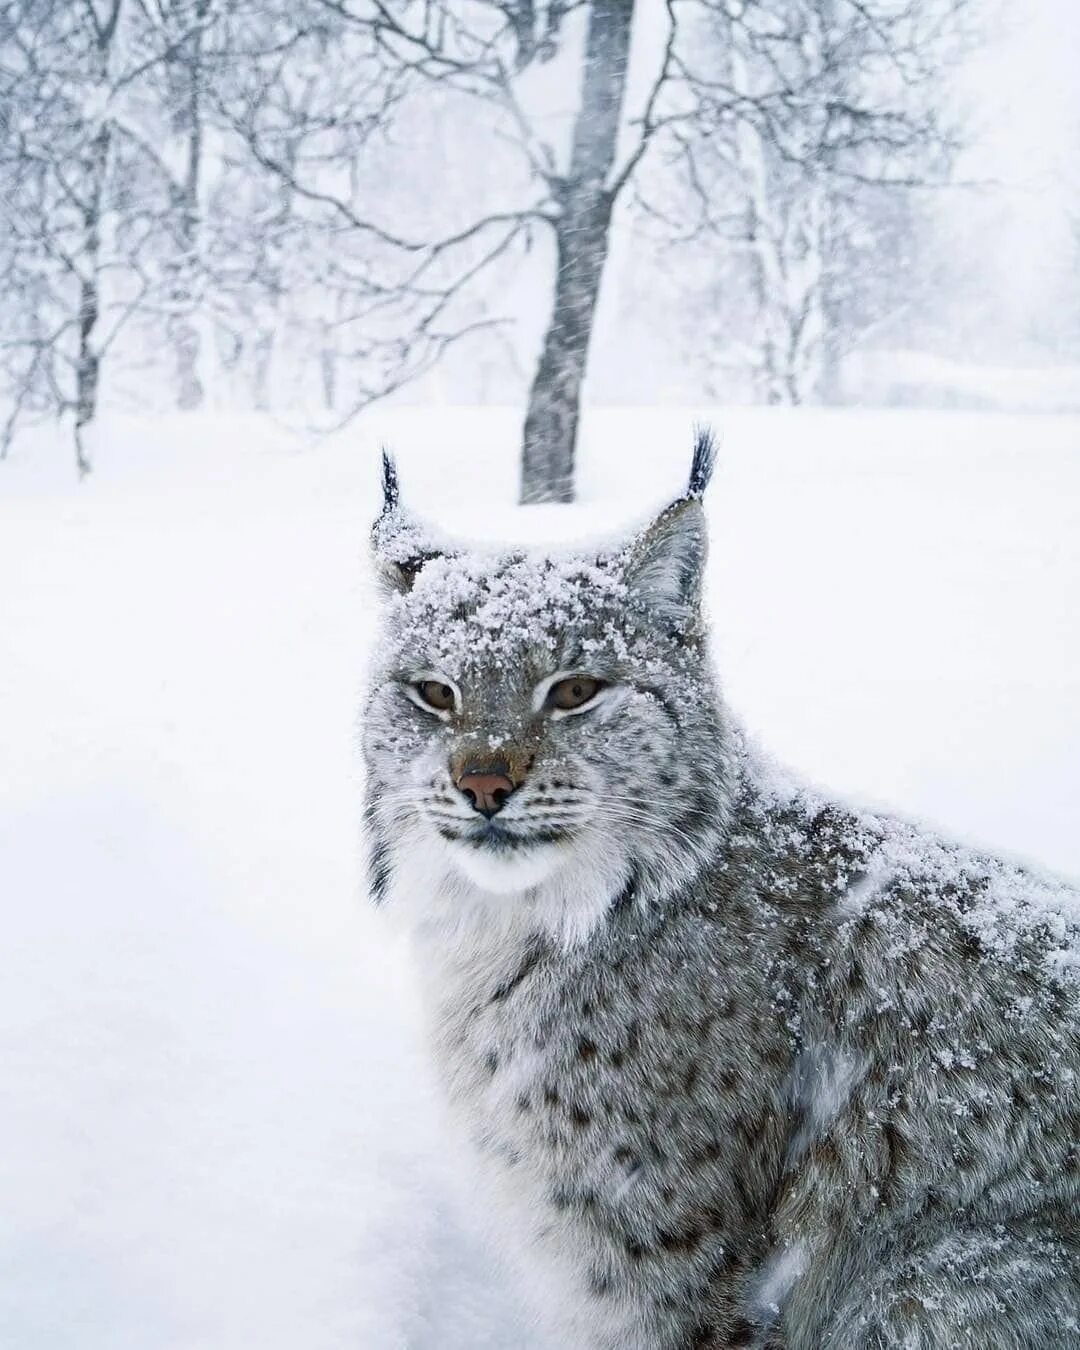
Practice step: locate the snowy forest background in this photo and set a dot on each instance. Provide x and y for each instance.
(527, 245)
(303, 206)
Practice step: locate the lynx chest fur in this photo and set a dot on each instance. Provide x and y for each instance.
(605, 1091)
(736, 1066)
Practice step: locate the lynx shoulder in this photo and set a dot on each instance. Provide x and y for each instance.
(737, 1065)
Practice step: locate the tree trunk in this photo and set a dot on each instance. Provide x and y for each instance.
(88, 361)
(182, 331)
(87, 370)
(582, 228)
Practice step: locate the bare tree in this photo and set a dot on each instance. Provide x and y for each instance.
(814, 122)
(403, 293)
(85, 207)
(187, 26)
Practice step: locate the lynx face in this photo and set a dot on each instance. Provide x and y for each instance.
(539, 721)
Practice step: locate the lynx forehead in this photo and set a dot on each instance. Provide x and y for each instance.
(737, 1065)
(471, 613)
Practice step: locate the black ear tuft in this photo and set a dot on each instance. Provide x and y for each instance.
(401, 544)
(704, 462)
(391, 492)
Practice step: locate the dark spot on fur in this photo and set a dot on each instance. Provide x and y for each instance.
(579, 1117)
(894, 1150)
(777, 1055)
(599, 1283)
(491, 1061)
(540, 837)
(920, 1021)
(615, 1059)
(741, 1332)
(967, 943)
(664, 701)
(634, 1249)
(522, 973)
(702, 1338)
(380, 872)
(856, 980)
(625, 897)
(626, 1157)
(551, 1095)
(745, 1199)
(690, 1079)
(723, 1261)
(698, 812)
(683, 1241)
(523, 1103)
(564, 1196)
(586, 1049)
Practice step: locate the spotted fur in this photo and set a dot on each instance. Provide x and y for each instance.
(737, 1065)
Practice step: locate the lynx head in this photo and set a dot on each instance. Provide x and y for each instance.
(541, 733)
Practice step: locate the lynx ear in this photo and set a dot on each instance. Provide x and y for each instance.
(399, 543)
(667, 561)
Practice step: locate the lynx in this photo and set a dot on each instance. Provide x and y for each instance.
(737, 1065)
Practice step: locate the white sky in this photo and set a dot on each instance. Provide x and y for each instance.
(1026, 87)
(1023, 92)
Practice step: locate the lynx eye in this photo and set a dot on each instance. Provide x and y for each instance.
(435, 695)
(572, 693)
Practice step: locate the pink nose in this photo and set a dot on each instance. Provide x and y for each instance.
(487, 787)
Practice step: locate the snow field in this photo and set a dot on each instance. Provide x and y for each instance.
(216, 1124)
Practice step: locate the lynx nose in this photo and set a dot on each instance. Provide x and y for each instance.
(487, 786)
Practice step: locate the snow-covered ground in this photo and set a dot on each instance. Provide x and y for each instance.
(216, 1125)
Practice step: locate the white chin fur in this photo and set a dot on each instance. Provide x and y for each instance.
(505, 874)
